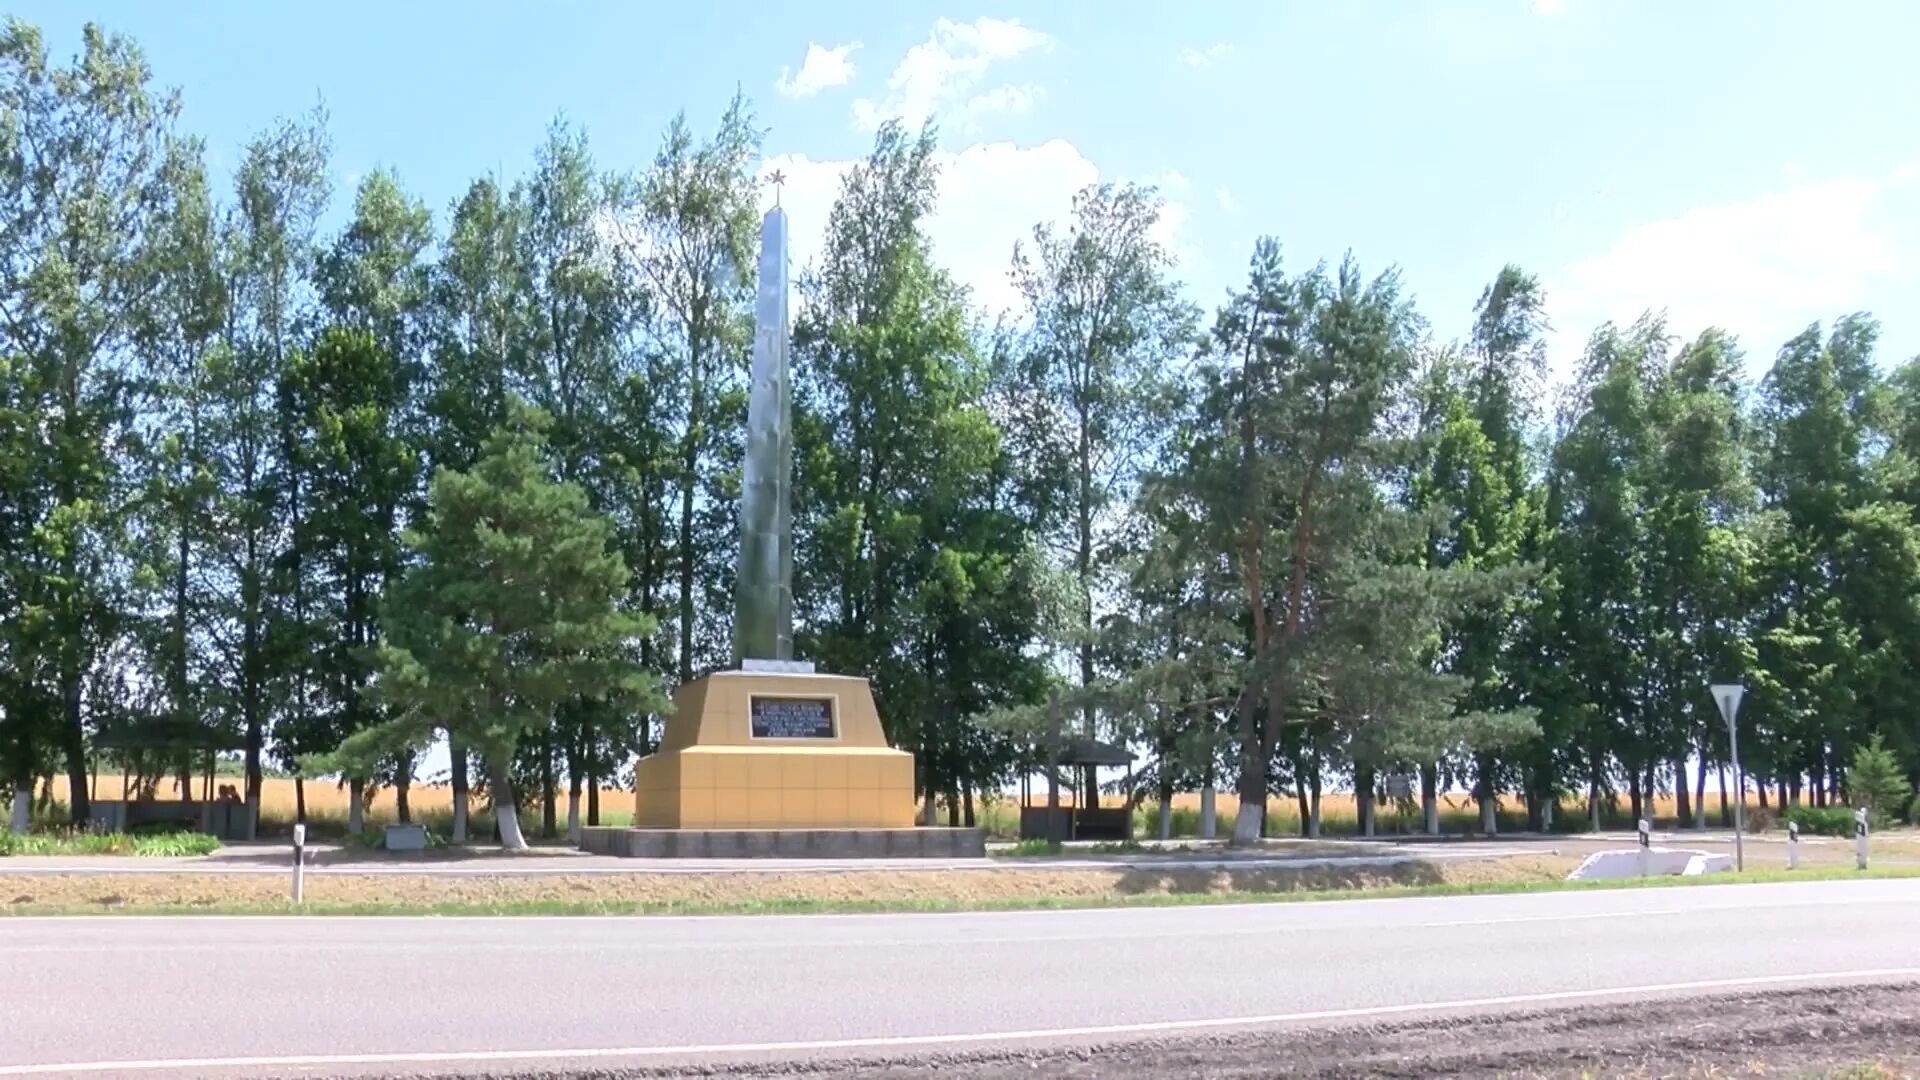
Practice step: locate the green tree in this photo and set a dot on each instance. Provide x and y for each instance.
(83, 163)
(694, 251)
(920, 569)
(344, 399)
(513, 608)
(479, 316)
(280, 191)
(1876, 781)
(1101, 322)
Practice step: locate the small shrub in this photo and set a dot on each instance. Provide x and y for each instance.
(1821, 820)
(1760, 819)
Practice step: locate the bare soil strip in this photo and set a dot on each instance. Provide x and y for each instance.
(158, 892)
(1853, 1033)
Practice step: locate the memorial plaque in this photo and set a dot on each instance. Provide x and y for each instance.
(792, 717)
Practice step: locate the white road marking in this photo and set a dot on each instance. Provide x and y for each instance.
(1161, 1027)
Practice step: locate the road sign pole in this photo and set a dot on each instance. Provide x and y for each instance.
(1727, 696)
(1739, 798)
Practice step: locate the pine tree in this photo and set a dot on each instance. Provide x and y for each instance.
(513, 608)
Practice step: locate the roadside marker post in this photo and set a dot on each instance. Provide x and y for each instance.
(1860, 837)
(1646, 847)
(1793, 845)
(299, 861)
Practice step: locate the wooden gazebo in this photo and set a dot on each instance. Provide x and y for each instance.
(1051, 821)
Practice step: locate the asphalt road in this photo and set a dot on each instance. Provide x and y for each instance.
(190, 996)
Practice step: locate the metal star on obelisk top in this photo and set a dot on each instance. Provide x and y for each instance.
(776, 178)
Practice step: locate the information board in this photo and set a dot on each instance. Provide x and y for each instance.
(792, 717)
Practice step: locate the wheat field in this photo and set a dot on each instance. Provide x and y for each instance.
(327, 804)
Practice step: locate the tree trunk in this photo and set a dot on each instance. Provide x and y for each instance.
(1700, 789)
(22, 819)
(549, 803)
(403, 787)
(967, 816)
(1313, 810)
(1593, 803)
(1252, 813)
(505, 813)
(1363, 800)
(356, 803)
(79, 807)
(1634, 804)
(457, 761)
(593, 789)
(1163, 826)
(573, 811)
(1209, 813)
(1683, 809)
(953, 810)
(1430, 799)
(300, 799)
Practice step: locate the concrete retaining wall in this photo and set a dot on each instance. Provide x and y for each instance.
(922, 843)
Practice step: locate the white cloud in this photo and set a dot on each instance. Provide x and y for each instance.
(942, 72)
(1207, 57)
(1005, 100)
(1549, 8)
(1227, 202)
(822, 68)
(991, 196)
(1761, 269)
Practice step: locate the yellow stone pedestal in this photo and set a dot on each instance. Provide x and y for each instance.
(766, 750)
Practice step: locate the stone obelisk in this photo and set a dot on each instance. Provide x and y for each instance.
(763, 593)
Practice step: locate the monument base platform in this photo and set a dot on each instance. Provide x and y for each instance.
(914, 843)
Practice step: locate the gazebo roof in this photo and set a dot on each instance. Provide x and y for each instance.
(1084, 751)
(168, 734)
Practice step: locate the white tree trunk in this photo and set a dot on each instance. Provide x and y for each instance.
(573, 817)
(1165, 829)
(930, 812)
(253, 818)
(1489, 816)
(459, 821)
(356, 817)
(1430, 811)
(508, 816)
(1313, 816)
(1546, 813)
(1246, 822)
(22, 809)
(1209, 813)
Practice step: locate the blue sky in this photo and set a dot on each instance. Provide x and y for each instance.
(1752, 164)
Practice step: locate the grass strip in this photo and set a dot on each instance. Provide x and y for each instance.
(1018, 903)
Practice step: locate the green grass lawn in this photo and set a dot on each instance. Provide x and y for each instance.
(83, 843)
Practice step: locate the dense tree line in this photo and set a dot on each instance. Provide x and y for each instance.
(472, 477)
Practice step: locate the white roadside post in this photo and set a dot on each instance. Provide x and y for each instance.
(1860, 837)
(1646, 847)
(1793, 845)
(299, 861)
(1727, 696)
